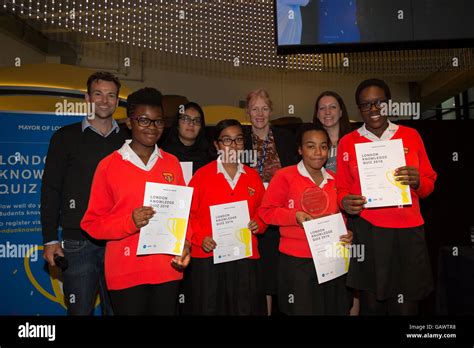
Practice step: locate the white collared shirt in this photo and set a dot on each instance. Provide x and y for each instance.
(86, 124)
(232, 182)
(304, 172)
(386, 135)
(129, 155)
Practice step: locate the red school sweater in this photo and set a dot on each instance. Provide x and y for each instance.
(281, 202)
(211, 188)
(117, 189)
(348, 181)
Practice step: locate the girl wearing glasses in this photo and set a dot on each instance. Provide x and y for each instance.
(236, 287)
(274, 148)
(144, 285)
(187, 139)
(396, 272)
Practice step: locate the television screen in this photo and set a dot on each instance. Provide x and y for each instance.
(335, 25)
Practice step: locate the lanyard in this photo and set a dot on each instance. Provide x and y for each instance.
(261, 161)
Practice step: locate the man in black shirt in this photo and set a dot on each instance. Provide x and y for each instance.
(73, 155)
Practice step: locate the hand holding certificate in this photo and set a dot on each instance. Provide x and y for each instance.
(230, 231)
(166, 231)
(330, 257)
(377, 162)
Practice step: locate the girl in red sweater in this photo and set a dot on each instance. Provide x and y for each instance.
(236, 287)
(139, 285)
(396, 272)
(298, 290)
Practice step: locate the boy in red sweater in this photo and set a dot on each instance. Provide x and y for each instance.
(139, 285)
(298, 290)
(396, 273)
(235, 287)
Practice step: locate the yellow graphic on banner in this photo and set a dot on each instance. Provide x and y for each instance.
(177, 227)
(58, 295)
(244, 236)
(404, 188)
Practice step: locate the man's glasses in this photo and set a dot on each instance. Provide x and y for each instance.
(367, 106)
(146, 122)
(228, 141)
(189, 120)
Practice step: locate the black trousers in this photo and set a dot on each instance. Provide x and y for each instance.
(146, 299)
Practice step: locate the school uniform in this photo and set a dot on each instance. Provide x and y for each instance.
(117, 189)
(298, 290)
(273, 153)
(396, 258)
(230, 288)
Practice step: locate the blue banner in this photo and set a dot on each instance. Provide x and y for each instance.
(28, 285)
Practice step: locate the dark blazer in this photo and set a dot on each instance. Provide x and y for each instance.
(285, 143)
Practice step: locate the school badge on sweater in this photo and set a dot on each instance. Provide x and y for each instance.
(169, 177)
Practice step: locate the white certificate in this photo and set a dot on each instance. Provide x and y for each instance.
(187, 168)
(230, 231)
(330, 257)
(166, 231)
(377, 162)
